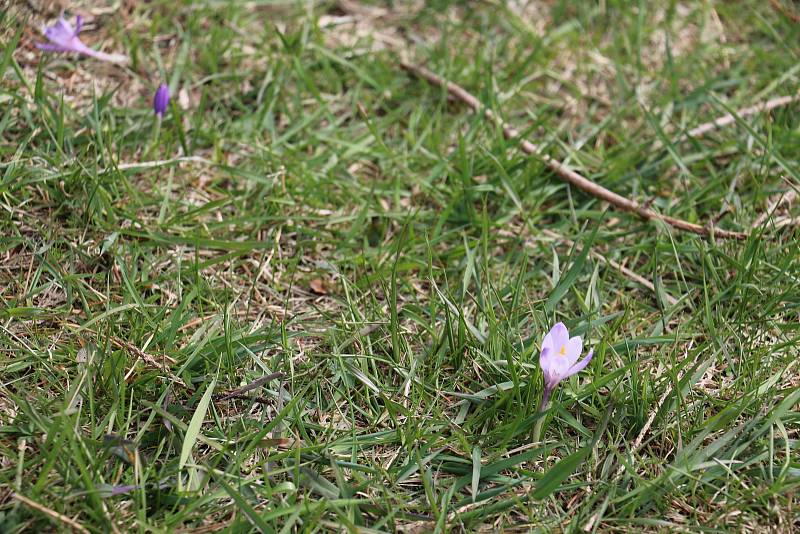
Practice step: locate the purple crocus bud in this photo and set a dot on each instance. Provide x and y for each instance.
(559, 358)
(161, 100)
(64, 38)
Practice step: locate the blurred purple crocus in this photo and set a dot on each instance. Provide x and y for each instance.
(161, 100)
(559, 360)
(64, 38)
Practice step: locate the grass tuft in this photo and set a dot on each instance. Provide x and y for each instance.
(312, 214)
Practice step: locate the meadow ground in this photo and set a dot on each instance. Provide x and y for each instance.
(310, 208)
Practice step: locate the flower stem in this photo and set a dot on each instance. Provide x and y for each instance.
(156, 134)
(543, 406)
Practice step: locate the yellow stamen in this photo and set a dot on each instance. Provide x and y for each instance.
(563, 350)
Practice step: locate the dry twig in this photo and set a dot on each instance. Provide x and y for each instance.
(561, 170)
(240, 392)
(50, 513)
(786, 221)
(158, 163)
(730, 118)
(239, 396)
(785, 199)
(140, 354)
(794, 17)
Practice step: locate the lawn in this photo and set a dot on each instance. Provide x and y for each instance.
(312, 296)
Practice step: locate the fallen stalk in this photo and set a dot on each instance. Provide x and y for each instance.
(730, 118)
(561, 170)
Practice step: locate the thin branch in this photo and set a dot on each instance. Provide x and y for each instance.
(157, 163)
(794, 17)
(50, 513)
(785, 199)
(730, 118)
(239, 396)
(140, 354)
(238, 393)
(561, 170)
(786, 221)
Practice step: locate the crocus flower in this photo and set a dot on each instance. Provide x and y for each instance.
(161, 100)
(64, 38)
(559, 360)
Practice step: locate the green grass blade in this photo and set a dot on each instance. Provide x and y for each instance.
(572, 275)
(193, 430)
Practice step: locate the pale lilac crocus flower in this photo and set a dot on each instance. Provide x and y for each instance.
(64, 38)
(559, 360)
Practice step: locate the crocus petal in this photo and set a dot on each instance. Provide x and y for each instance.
(121, 490)
(551, 380)
(51, 47)
(581, 365)
(161, 100)
(555, 367)
(78, 25)
(574, 349)
(76, 45)
(547, 342)
(548, 352)
(61, 29)
(560, 336)
(551, 359)
(548, 365)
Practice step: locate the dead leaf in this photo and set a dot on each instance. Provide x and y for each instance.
(318, 287)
